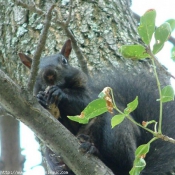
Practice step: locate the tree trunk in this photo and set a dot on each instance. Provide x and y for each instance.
(99, 28)
(11, 158)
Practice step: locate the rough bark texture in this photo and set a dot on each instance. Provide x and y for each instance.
(11, 158)
(99, 27)
(24, 107)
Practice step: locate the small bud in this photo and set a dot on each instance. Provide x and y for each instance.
(144, 124)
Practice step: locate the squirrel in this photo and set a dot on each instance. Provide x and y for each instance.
(71, 90)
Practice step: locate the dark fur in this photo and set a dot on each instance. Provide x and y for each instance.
(72, 91)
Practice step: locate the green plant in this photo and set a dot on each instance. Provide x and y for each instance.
(106, 100)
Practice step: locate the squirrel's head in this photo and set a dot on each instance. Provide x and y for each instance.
(52, 69)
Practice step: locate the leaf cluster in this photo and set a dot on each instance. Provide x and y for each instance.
(106, 102)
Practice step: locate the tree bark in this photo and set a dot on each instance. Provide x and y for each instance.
(11, 158)
(99, 29)
(25, 108)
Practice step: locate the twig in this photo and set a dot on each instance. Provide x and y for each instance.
(165, 138)
(40, 47)
(64, 25)
(70, 13)
(33, 7)
(81, 58)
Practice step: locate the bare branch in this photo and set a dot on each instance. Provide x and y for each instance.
(39, 49)
(65, 26)
(25, 108)
(70, 14)
(165, 138)
(81, 59)
(32, 8)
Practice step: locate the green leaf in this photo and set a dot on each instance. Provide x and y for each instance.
(147, 26)
(172, 23)
(139, 165)
(157, 47)
(173, 53)
(139, 162)
(78, 119)
(161, 35)
(167, 94)
(142, 150)
(133, 51)
(95, 108)
(131, 106)
(117, 119)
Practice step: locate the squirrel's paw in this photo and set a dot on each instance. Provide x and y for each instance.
(55, 95)
(42, 99)
(86, 145)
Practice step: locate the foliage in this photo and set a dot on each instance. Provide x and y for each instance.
(95, 108)
(106, 100)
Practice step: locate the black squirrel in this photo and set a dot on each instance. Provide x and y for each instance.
(72, 90)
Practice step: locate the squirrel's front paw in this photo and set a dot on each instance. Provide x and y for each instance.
(55, 95)
(86, 145)
(42, 99)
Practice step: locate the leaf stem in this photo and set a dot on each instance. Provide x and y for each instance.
(159, 89)
(138, 124)
(152, 140)
(128, 116)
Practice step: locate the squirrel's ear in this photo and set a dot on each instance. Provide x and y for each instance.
(66, 49)
(26, 60)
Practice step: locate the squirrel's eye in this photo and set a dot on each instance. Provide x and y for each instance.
(64, 61)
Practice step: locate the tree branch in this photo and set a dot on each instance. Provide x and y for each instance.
(65, 27)
(165, 138)
(39, 49)
(32, 8)
(19, 102)
(70, 13)
(81, 59)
